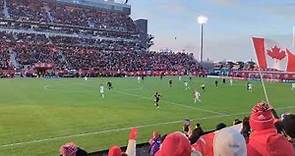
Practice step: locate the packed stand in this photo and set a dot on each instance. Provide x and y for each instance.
(1, 8)
(129, 61)
(67, 52)
(264, 133)
(4, 58)
(59, 13)
(27, 10)
(75, 37)
(30, 55)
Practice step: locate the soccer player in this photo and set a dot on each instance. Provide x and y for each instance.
(101, 90)
(197, 96)
(293, 86)
(186, 85)
(231, 82)
(223, 80)
(249, 87)
(85, 78)
(203, 87)
(216, 83)
(161, 77)
(110, 85)
(170, 82)
(179, 78)
(157, 100)
(138, 79)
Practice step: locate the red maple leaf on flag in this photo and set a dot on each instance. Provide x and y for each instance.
(276, 53)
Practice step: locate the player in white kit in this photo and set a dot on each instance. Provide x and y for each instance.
(293, 86)
(249, 87)
(101, 90)
(186, 85)
(231, 82)
(197, 96)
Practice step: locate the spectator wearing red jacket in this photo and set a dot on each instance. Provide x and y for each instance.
(175, 144)
(264, 139)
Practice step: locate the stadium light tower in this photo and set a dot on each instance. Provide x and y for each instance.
(202, 20)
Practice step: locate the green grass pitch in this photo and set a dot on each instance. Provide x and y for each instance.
(39, 115)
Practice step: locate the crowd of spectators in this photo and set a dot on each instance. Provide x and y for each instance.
(129, 61)
(75, 37)
(4, 58)
(1, 8)
(75, 53)
(89, 17)
(30, 55)
(27, 10)
(56, 12)
(58, 17)
(263, 133)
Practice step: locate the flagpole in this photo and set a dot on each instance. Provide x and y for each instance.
(263, 85)
(293, 37)
(262, 80)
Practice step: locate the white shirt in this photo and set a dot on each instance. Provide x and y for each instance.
(186, 84)
(197, 94)
(101, 89)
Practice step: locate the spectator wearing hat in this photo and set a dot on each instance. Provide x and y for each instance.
(229, 142)
(264, 139)
(204, 144)
(175, 144)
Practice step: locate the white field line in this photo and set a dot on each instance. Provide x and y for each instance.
(122, 129)
(170, 102)
(106, 131)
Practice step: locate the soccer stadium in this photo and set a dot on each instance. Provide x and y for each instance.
(120, 78)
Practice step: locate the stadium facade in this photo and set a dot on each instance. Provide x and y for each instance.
(101, 4)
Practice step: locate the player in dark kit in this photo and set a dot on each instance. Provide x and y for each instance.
(203, 87)
(157, 100)
(223, 81)
(170, 82)
(216, 83)
(110, 85)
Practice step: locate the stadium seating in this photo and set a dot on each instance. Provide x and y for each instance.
(76, 37)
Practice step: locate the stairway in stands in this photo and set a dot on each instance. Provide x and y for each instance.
(49, 14)
(63, 59)
(5, 10)
(13, 58)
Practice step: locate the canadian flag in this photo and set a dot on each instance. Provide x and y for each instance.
(271, 54)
